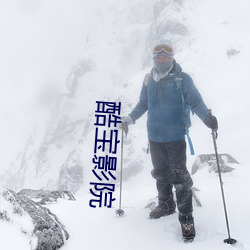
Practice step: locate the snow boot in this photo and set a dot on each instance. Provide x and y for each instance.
(188, 231)
(160, 211)
(187, 227)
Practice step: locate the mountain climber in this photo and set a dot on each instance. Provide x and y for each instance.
(166, 104)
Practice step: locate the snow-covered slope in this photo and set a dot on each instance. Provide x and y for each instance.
(212, 44)
(135, 231)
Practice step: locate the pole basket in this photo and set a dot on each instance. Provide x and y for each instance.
(120, 212)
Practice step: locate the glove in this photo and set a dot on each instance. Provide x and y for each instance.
(211, 122)
(127, 120)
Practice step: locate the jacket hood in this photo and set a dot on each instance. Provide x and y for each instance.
(176, 68)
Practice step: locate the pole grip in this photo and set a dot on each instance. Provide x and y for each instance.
(214, 132)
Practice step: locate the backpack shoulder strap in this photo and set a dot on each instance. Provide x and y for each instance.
(179, 81)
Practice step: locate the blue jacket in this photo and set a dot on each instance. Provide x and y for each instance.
(163, 101)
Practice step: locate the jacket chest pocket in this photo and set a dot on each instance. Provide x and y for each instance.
(171, 94)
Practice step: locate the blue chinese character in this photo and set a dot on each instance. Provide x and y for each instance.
(108, 199)
(105, 163)
(112, 146)
(102, 107)
(115, 121)
(98, 122)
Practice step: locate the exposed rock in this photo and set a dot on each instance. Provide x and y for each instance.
(209, 160)
(44, 196)
(168, 23)
(152, 203)
(78, 71)
(232, 52)
(47, 229)
(71, 173)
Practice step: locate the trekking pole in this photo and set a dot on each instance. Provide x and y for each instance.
(119, 211)
(229, 240)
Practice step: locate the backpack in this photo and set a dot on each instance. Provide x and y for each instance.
(186, 108)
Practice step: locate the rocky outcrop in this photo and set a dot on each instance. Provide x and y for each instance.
(45, 231)
(43, 197)
(209, 161)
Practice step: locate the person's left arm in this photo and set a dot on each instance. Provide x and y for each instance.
(193, 97)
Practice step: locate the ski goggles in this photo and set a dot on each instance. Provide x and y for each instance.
(163, 50)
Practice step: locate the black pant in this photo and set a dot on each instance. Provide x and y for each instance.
(169, 162)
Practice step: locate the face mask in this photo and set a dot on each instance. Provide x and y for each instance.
(163, 67)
